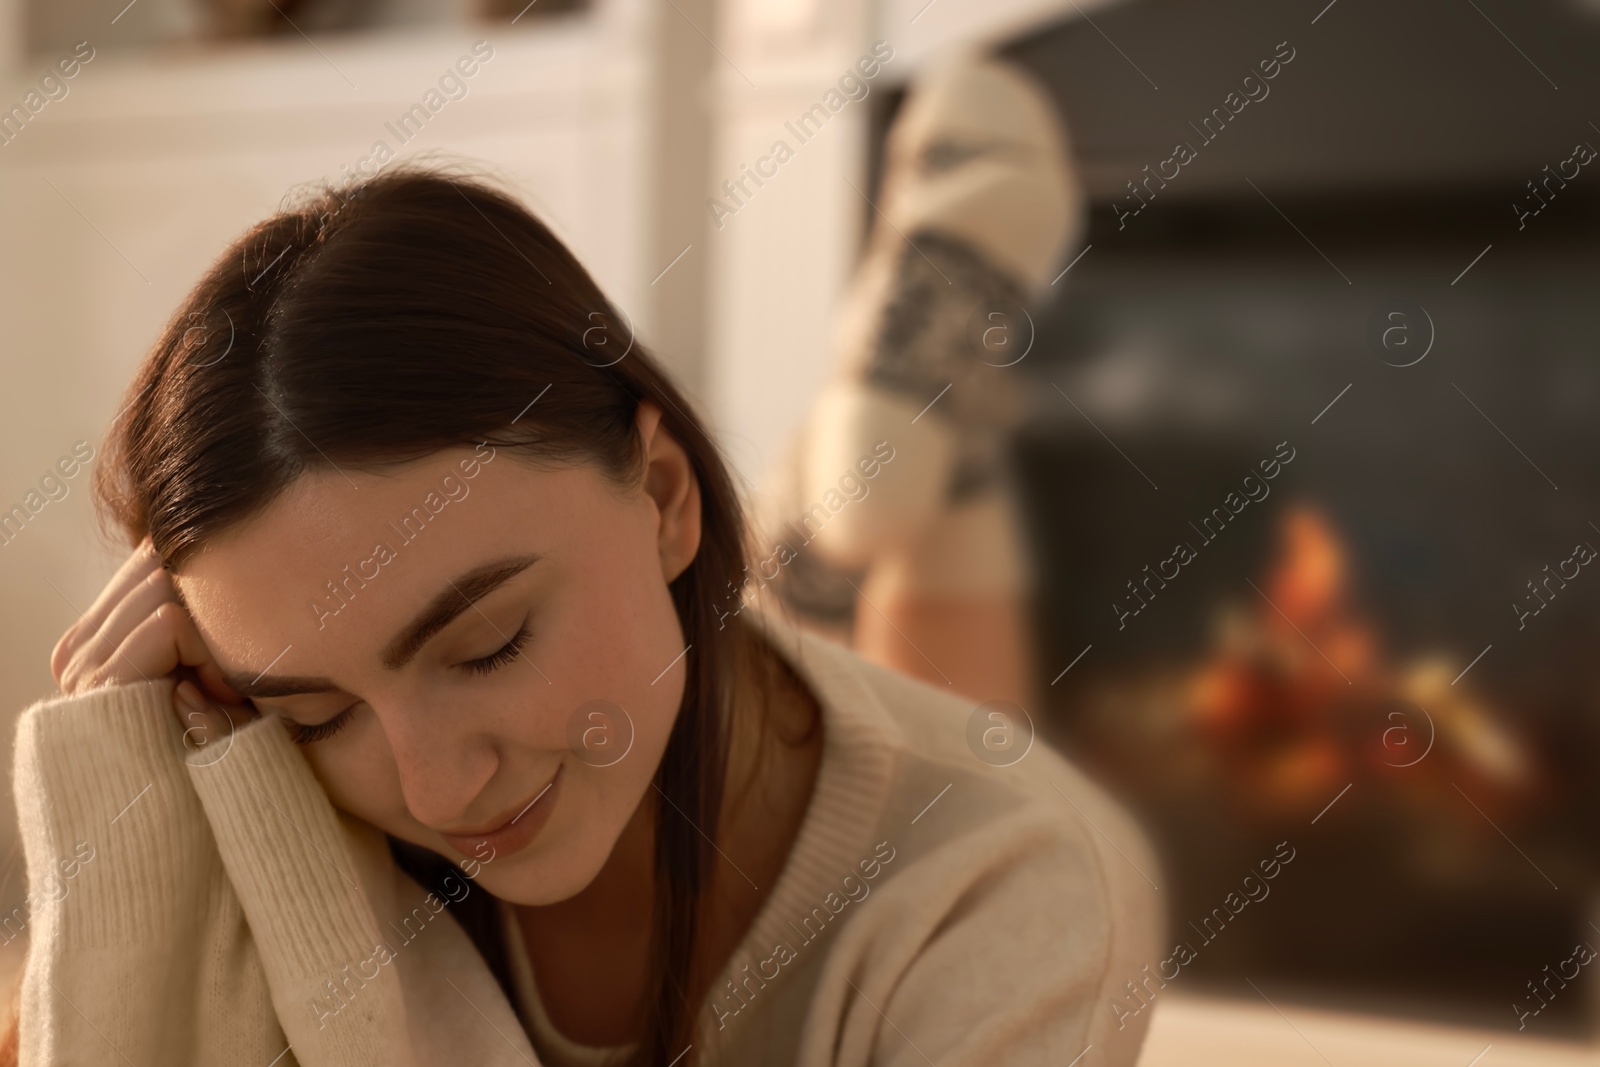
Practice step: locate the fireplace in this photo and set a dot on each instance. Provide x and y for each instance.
(1384, 653)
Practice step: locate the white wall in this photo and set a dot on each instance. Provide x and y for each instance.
(781, 261)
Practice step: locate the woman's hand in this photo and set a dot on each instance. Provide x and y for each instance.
(137, 631)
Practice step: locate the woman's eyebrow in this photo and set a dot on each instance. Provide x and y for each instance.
(464, 591)
(277, 685)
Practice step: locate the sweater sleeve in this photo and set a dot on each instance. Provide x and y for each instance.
(363, 966)
(304, 896)
(138, 948)
(1010, 951)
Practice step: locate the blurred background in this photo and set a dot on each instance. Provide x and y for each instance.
(1385, 268)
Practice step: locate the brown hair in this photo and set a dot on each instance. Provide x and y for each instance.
(417, 311)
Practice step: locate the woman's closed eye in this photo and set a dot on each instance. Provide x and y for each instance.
(502, 656)
(302, 734)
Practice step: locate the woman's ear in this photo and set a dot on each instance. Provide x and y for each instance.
(671, 484)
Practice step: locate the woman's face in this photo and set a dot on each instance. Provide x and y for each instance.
(482, 626)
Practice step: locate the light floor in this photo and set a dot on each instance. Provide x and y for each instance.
(1203, 1032)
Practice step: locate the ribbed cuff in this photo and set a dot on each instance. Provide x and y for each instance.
(302, 893)
(102, 797)
(280, 839)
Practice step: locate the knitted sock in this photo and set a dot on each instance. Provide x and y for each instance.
(978, 206)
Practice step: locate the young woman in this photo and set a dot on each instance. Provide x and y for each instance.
(423, 723)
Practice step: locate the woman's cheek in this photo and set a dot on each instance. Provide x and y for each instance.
(360, 782)
(630, 653)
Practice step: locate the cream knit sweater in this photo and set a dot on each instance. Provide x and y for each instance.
(214, 908)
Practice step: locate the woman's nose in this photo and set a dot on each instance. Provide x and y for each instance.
(441, 769)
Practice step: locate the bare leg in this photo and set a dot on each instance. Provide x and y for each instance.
(979, 646)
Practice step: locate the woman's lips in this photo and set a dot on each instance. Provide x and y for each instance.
(517, 832)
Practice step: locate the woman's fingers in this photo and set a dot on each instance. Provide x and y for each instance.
(147, 653)
(137, 605)
(138, 631)
(192, 652)
(85, 633)
(134, 570)
(165, 640)
(156, 647)
(207, 722)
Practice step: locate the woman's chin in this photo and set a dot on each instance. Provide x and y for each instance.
(538, 877)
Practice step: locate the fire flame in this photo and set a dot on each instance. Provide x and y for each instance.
(1291, 703)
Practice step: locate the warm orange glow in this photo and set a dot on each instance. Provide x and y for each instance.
(1298, 697)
